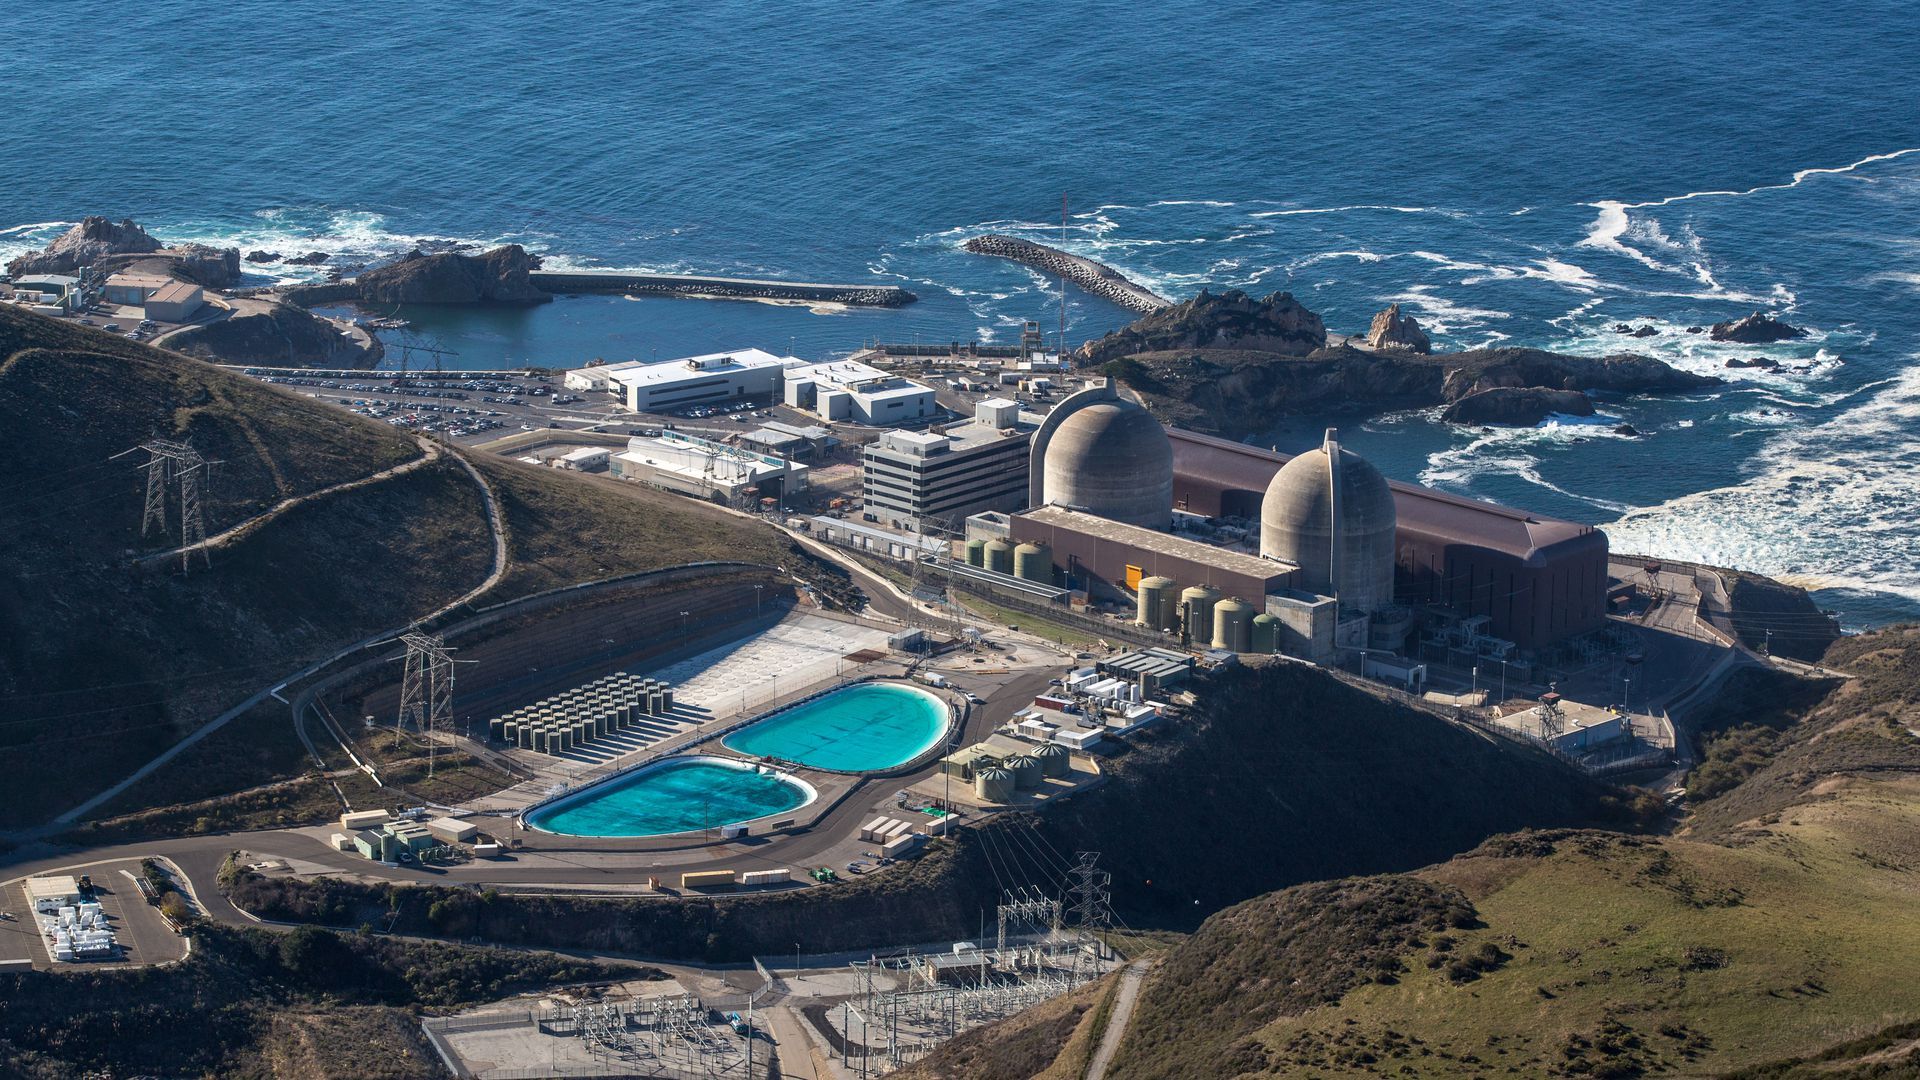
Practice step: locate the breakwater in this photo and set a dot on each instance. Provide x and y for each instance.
(562, 282)
(1095, 277)
(555, 281)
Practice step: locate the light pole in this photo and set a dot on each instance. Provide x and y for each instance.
(756, 598)
(683, 621)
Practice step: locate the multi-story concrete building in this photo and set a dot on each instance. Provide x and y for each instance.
(941, 477)
(851, 390)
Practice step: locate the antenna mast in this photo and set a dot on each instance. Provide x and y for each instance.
(1063, 279)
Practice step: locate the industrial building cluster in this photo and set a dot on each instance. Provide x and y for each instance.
(1218, 544)
(1316, 555)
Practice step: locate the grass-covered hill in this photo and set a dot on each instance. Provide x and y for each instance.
(104, 663)
(1282, 775)
(1773, 936)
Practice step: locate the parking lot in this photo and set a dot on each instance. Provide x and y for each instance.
(140, 934)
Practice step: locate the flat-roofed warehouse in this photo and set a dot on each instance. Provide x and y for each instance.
(1117, 555)
(1538, 580)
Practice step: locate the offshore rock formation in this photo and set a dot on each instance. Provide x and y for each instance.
(1278, 324)
(111, 247)
(1755, 329)
(1392, 330)
(83, 245)
(1511, 406)
(1095, 277)
(497, 276)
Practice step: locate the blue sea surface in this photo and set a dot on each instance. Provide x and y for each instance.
(1510, 173)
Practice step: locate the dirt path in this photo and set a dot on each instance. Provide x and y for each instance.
(1117, 1023)
(429, 453)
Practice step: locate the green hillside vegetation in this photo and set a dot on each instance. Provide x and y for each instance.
(309, 1004)
(1282, 775)
(1773, 936)
(104, 663)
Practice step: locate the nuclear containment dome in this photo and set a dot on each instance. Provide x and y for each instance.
(1111, 458)
(1331, 514)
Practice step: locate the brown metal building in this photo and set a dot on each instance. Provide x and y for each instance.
(1539, 580)
(1115, 555)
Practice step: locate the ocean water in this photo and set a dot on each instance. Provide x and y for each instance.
(1512, 172)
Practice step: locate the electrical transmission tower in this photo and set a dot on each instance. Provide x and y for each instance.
(426, 691)
(1091, 900)
(170, 462)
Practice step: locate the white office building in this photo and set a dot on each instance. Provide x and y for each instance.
(750, 375)
(851, 390)
(941, 477)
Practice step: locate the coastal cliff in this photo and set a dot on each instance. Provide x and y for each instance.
(275, 334)
(1278, 324)
(115, 246)
(1095, 277)
(499, 276)
(1227, 365)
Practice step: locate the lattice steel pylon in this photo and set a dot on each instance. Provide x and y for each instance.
(1092, 902)
(426, 690)
(168, 462)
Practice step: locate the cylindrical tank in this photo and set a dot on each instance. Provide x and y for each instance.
(389, 848)
(1110, 458)
(1033, 562)
(999, 556)
(1025, 770)
(1196, 605)
(1332, 514)
(1266, 633)
(1053, 759)
(993, 785)
(1156, 597)
(976, 553)
(1233, 625)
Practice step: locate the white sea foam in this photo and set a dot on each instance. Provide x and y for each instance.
(1351, 209)
(1513, 452)
(1439, 315)
(1832, 500)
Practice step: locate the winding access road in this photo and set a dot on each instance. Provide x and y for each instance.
(1117, 1021)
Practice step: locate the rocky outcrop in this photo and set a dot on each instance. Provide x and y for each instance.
(262, 258)
(1392, 330)
(276, 334)
(498, 276)
(1095, 277)
(311, 258)
(1512, 406)
(1278, 324)
(112, 247)
(1755, 329)
(83, 245)
(1765, 363)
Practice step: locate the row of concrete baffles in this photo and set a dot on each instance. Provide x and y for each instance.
(1206, 618)
(1028, 562)
(607, 705)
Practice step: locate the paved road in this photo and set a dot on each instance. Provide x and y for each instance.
(1118, 1020)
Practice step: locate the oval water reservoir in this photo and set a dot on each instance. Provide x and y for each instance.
(673, 796)
(867, 727)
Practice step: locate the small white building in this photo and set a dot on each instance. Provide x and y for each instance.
(49, 894)
(176, 301)
(585, 459)
(851, 390)
(597, 378)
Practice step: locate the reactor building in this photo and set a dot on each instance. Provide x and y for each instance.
(1255, 551)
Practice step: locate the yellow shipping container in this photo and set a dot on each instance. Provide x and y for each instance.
(702, 879)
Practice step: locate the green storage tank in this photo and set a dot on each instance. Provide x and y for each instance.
(999, 556)
(1266, 633)
(1033, 562)
(1157, 598)
(977, 553)
(1196, 606)
(1233, 625)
